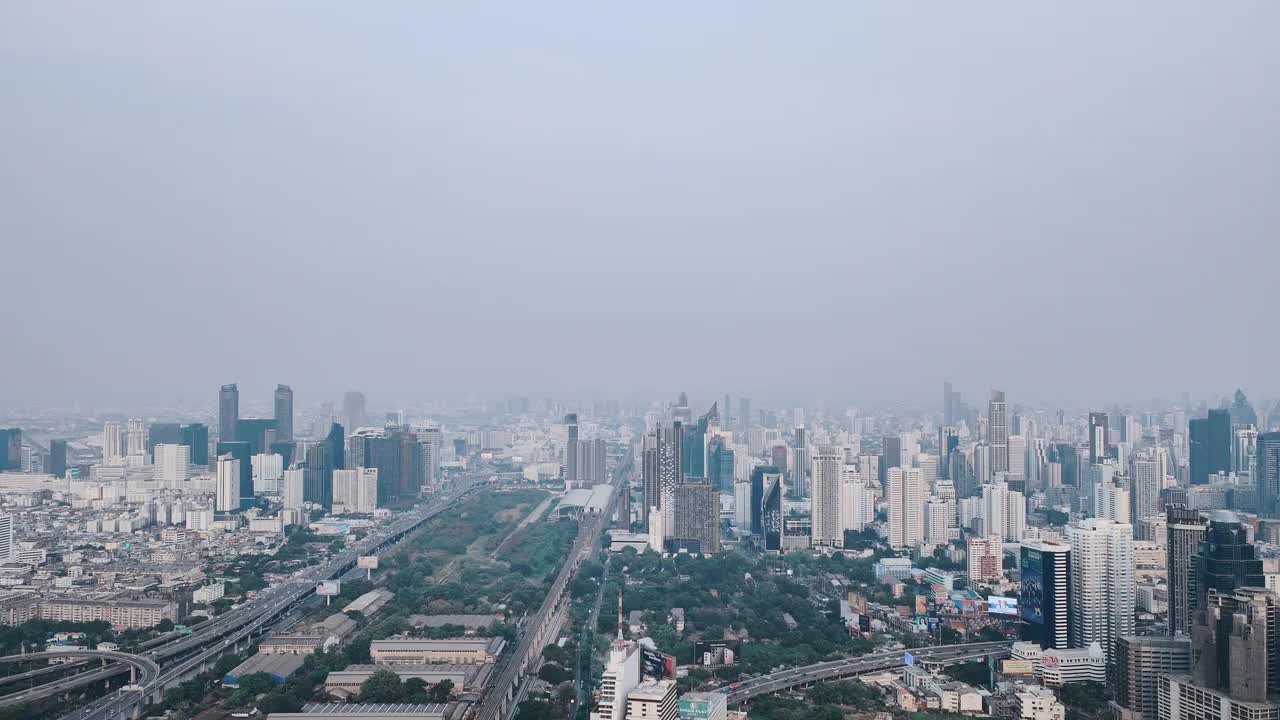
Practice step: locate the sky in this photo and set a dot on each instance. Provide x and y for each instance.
(1076, 202)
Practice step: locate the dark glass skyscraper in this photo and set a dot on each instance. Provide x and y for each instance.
(1185, 530)
(1226, 559)
(1044, 600)
(196, 437)
(258, 432)
(228, 412)
(284, 412)
(57, 458)
(1099, 437)
(771, 513)
(1268, 474)
(11, 449)
(758, 484)
(720, 464)
(1210, 445)
(163, 434)
(571, 448)
(243, 452)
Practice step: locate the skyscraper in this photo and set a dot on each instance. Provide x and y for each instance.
(890, 457)
(771, 511)
(57, 458)
(293, 488)
(353, 410)
(228, 412)
(1099, 429)
(227, 496)
(1045, 598)
(284, 413)
(857, 501)
(1147, 484)
(1102, 586)
(906, 495)
(1185, 529)
(172, 464)
(799, 465)
(998, 431)
(761, 477)
(1139, 663)
(1268, 474)
(828, 465)
(720, 461)
(112, 442)
(196, 437)
(1226, 559)
(11, 449)
(670, 470)
(242, 452)
(167, 433)
(8, 549)
(651, 477)
(948, 441)
(695, 517)
(571, 449)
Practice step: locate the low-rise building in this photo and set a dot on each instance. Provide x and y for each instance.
(702, 706)
(415, 651)
(347, 682)
(362, 711)
(652, 700)
(122, 613)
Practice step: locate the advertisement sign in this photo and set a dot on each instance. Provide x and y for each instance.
(657, 665)
(857, 602)
(1032, 595)
(716, 652)
(908, 660)
(922, 605)
(329, 588)
(367, 562)
(997, 605)
(1017, 667)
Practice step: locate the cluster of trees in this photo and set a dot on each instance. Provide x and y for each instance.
(384, 686)
(31, 636)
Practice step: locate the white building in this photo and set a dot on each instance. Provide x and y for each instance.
(293, 484)
(268, 468)
(621, 675)
(906, 496)
(652, 700)
(1102, 585)
(136, 439)
(227, 487)
(857, 501)
(940, 521)
(986, 559)
(827, 528)
(1062, 667)
(172, 464)
(1111, 502)
(112, 443)
(8, 549)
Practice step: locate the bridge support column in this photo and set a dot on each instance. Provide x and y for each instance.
(133, 675)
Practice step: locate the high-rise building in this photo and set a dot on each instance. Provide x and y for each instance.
(771, 510)
(57, 458)
(136, 438)
(1111, 501)
(571, 449)
(166, 433)
(1147, 484)
(651, 478)
(985, 556)
(268, 468)
(11, 449)
(998, 431)
(227, 486)
(1185, 530)
(112, 443)
(1140, 660)
(172, 464)
(761, 477)
(196, 437)
(890, 457)
(948, 442)
(1235, 644)
(8, 548)
(670, 470)
(828, 465)
(1210, 445)
(242, 452)
(1099, 429)
(695, 517)
(652, 700)
(1017, 473)
(857, 501)
(1226, 559)
(720, 463)
(293, 488)
(799, 465)
(1045, 597)
(906, 494)
(1102, 585)
(621, 675)
(1267, 468)
(228, 412)
(284, 413)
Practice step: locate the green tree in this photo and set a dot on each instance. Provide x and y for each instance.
(383, 686)
(441, 691)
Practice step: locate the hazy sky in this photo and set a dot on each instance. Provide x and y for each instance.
(1073, 201)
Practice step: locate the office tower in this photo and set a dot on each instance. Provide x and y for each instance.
(906, 494)
(694, 441)
(1185, 530)
(720, 463)
(283, 415)
(651, 478)
(57, 458)
(985, 556)
(136, 438)
(228, 412)
(652, 700)
(857, 501)
(258, 432)
(1099, 430)
(995, 500)
(353, 410)
(778, 456)
(367, 493)
(1102, 587)
(11, 449)
(227, 485)
(268, 468)
(1017, 477)
(355, 491)
(196, 437)
(998, 432)
(285, 449)
(166, 433)
(1244, 448)
(1226, 559)
(948, 441)
(799, 465)
(293, 488)
(828, 465)
(172, 464)
(571, 449)
(318, 476)
(771, 510)
(1236, 645)
(670, 469)
(928, 465)
(1210, 445)
(242, 452)
(1045, 597)
(8, 548)
(890, 456)
(112, 442)
(1267, 477)
(1139, 662)
(744, 414)
(982, 473)
(1015, 516)
(761, 477)
(695, 517)
(1111, 502)
(1147, 484)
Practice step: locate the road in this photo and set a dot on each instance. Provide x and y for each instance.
(743, 691)
(182, 655)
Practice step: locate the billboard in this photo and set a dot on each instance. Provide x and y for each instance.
(997, 605)
(367, 562)
(1018, 667)
(716, 652)
(657, 665)
(922, 605)
(329, 588)
(908, 660)
(857, 602)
